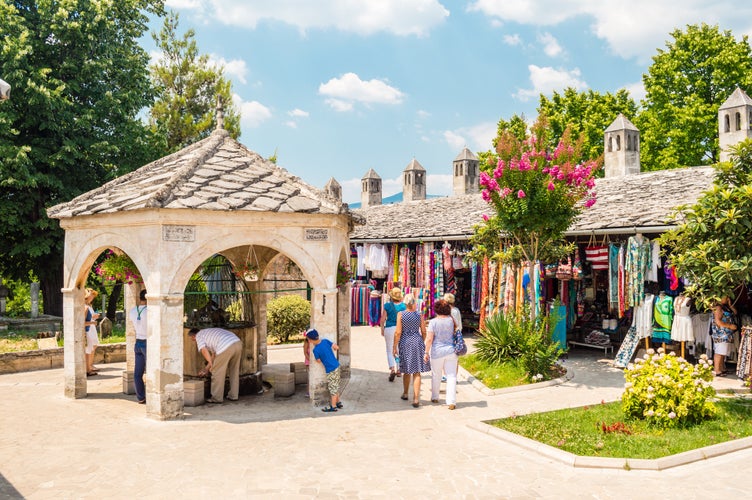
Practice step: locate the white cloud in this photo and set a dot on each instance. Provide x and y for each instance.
(253, 113)
(476, 137)
(365, 17)
(439, 184)
(344, 92)
(291, 124)
(235, 68)
(512, 40)
(298, 113)
(550, 45)
(423, 114)
(636, 90)
(547, 79)
(183, 4)
(634, 29)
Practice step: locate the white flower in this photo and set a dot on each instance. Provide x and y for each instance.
(650, 413)
(672, 415)
(661, 350)
(628, 385)
(650, 388)
(630, 366)
(645, 356)
(651, 351)
(703, 357)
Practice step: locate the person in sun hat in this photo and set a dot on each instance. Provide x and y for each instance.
(90, 327)
(323, 352)
(392, 306)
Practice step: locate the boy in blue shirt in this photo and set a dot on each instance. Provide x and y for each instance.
(323, 352)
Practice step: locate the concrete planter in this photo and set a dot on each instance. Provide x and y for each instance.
(44, 359)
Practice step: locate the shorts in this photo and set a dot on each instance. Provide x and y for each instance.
(332, 381)
(721, 348)
(92, 340)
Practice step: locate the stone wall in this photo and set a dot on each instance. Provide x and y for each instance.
(44, 359)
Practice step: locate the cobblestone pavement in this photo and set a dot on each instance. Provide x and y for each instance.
(379, 446)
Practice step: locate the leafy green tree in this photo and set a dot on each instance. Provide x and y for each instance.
(79, 80)
(711, 245)
(685, 86)
(287, 315)
(516, 127)
(587, 114)
(189, 86)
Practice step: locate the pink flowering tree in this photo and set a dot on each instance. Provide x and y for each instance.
(536, 194)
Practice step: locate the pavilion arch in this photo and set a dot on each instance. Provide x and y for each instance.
(212, 197)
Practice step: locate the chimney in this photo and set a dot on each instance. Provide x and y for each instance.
(370, 194)
(466, 174)
(621, 148)
(414, 182)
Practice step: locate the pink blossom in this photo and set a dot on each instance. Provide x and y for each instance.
(484, 178)
(520, 194)
(551, 186)
(590, 202)
(485, 217)
(505, 192)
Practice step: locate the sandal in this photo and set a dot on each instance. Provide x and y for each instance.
(416, 404)
(403, 397)
(391, 376)
(91, 374)
(329, 409)
(340, 405)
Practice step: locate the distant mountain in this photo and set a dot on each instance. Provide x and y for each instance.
(395, 198)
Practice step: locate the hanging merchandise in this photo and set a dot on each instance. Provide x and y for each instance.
(596, 254)
(613, 276)
(564, 271)
(484, 293)
(663, 317)
(636, 266)
(450, 286)
(509, 289)
(622, 289)
(577, 272)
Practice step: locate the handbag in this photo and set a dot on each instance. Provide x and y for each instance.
(596, 254)
(460, 348)
(564, 271)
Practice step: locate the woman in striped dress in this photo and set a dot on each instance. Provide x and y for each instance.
(409, 345)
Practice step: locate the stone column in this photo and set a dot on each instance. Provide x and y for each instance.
(164, 356)
(343, 329)
(34, 290)
(129, 300)
(74, 359)
(324, 320)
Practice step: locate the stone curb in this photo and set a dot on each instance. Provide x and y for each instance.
(573, 460)
(481, 387)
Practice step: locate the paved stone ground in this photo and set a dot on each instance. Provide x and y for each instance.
(103, 446)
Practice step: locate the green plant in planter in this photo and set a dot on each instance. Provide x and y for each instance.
(668, 391)
(343, 274)
(287, 315)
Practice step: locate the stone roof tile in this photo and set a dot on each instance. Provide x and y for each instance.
(203, 175)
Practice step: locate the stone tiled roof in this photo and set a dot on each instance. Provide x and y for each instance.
(371, 174)
(621, 123)
(628, 203)
(466, 154)
(216, 173)
(737, 98)
(414, 165)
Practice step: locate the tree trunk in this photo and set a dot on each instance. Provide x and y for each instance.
(112, 301)
(51, 285)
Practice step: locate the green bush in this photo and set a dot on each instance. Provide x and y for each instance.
(518, 338)
(287, 315)
(667, 390)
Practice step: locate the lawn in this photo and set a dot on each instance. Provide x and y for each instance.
(494, 376)
(26, 340)
(600, 430)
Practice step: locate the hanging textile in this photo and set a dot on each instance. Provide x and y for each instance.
(622, 289)
(663, 317)
(628, 348)
(404, 265)
(613, 276)
(644, 317)
(510, 289)
(744, 360)
(374, 308)
(449, 285)
(484, 293)
(538, 292)
(636, 266)
(359, 302)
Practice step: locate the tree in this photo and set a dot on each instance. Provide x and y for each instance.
(516, 126)
(189, 85)
(685, 86)
(711, 245)
(587, 114)
(79, 80)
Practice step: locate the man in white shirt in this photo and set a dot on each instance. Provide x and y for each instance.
(137, 316)
(221, 350)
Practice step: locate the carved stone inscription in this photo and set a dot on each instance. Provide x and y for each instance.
(312, 234)
(178, 233)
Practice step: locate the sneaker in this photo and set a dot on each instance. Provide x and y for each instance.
(328, 409)
(340, 405)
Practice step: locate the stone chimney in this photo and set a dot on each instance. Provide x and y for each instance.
(414, 182)
(370, 194)
(621, 148)
(333, 189)
(466, 174)
(734, 121)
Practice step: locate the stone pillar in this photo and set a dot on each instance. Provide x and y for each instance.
(34, 299)
(324, 320)
(74, 359)
(129, 300)
(164, 356)
(343, 329)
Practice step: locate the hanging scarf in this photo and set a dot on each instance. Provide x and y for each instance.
(483, 293)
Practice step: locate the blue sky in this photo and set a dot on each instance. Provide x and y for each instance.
(337, 87)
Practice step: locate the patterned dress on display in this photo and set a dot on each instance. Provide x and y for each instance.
(411, 346)
(663, 317)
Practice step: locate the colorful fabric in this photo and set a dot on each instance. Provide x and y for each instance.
(411, 345)
(637, 263)
(720, 333)
(627, 349)
(663, 317)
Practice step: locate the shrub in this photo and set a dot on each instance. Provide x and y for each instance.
(666, 390)
(287, 315)
(508, 338)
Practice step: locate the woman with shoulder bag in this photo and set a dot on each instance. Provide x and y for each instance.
(440, 343)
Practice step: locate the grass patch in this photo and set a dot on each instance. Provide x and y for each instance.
(581, 430)
(26, 340)
(492, 375)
